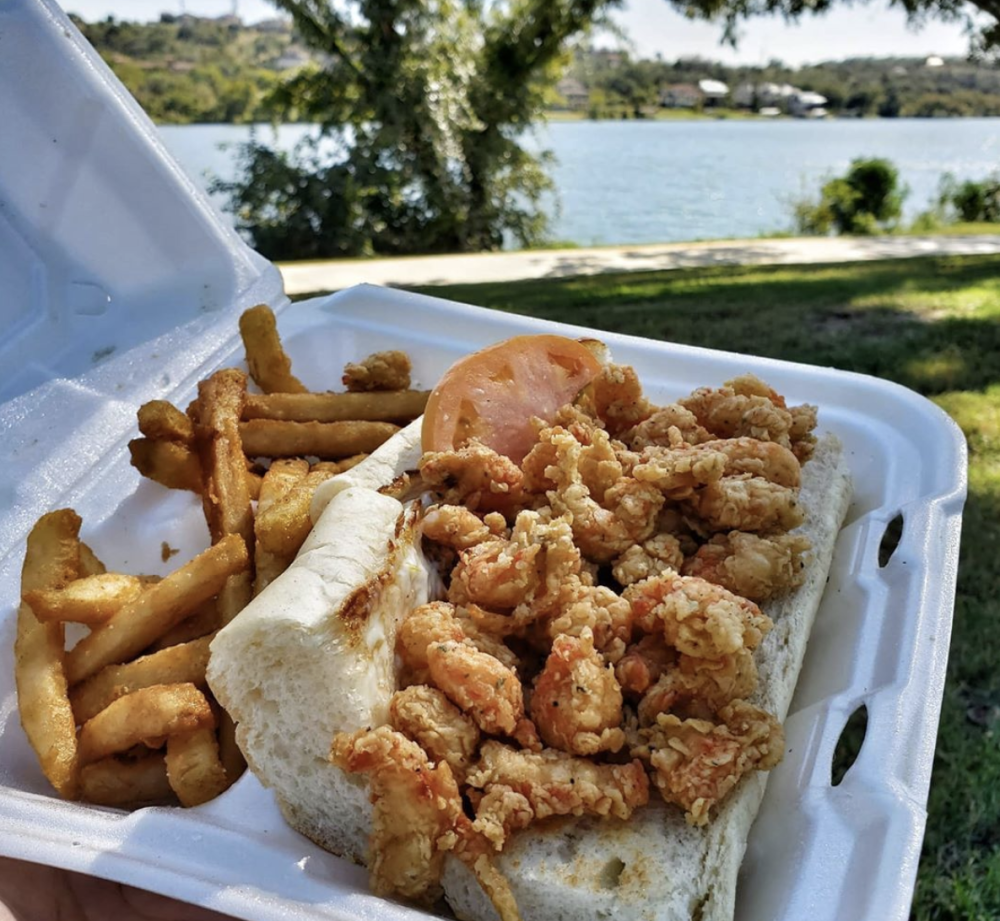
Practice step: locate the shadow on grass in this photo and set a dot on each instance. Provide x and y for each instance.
(919, 322)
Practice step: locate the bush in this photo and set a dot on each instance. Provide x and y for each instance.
(867, 200)
(977, 201)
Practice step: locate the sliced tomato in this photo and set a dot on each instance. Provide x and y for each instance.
(491, 395)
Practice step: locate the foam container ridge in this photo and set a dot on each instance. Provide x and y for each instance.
(170, 318)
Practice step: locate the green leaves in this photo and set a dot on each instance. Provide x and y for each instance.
(429, 102)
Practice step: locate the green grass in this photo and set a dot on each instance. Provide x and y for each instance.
(933, 325)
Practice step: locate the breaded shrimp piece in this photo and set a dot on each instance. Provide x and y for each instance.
(474, 476)
(668, 426)
(644, 662)
(595, 608)
(417, 805)
(521, 786)
(379, 371)
(744, 409)
(765, 459)
(751, 565)
(661, 553)
(699, 687)
(455, 526)
(617, 399)
(480, 684)
(678, 470)
(577, 703)
(424, 626)
(425, 715)
(697, 618)
(497, 574)
(746, 503)
(697, 763)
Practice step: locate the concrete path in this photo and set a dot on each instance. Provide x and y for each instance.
(315, 277)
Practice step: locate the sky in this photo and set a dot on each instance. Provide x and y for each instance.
(855, 30)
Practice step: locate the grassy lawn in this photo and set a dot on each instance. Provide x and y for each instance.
(933, 325)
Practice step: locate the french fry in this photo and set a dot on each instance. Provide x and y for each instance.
(51, 561)
(162, 421)
(385, 406)
(203, 621)
(147, 716)
(157, 609)
(281, 477)
(90, 565)
(91, 600)
(270, 366)
(274, 438)
(194, 770)
(170, 464)
(285, 524)
(184, 663)
(126, 783)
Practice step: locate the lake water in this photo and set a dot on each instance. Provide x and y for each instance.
(647, 182)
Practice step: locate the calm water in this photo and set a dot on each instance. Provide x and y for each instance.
(635, 182)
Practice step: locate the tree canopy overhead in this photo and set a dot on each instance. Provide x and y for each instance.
(981, 17)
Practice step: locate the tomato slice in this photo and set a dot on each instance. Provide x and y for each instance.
(491, 395)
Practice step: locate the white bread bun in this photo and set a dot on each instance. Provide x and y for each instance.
(297, 665)
(385, 464)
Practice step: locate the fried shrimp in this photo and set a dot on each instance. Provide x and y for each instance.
(754, 566)
(379, 371)
(746, 503)
(455, 526)
(676, 471)
(765, 459)
(475, 476)
(417, 804)
(733, 411)
(643, 663)
(425, 715)
(697, 762)
(577, 703)
(699, 687)
(520, 787)
(429, 624)
(617, 398)
(668, 426)
(660, 554)
(480, 684)
(595, 608)
(697, 618)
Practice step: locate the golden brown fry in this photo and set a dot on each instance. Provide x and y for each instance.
(270, 366)
(225, 497)
(194, 770)
(157, 609)
(184, 663)
(230, 755)
(349, 462)
(147, 716)
(91, 600)
(51, 561)
(385, 406)
(126, 784)
(285, 524)
(280, 478)
(203, 621)
(170, 464)
(162, 421)
(272, 438)
(90, 565)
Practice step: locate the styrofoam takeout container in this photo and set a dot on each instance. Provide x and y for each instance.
(105, 245)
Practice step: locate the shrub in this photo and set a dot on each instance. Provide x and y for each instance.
(867, 200)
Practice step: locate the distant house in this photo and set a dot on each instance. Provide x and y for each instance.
(805, 104)
(713, 91)
(934, 61)
(277, 25)
(574, 94)
(681, 96)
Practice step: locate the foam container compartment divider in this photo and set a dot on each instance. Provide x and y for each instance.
(817, 851)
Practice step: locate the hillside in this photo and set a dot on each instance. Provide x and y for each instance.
(190, 69)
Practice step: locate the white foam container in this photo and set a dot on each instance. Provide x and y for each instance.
(106, 245)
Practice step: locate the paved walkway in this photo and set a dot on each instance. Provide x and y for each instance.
(310, 277)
